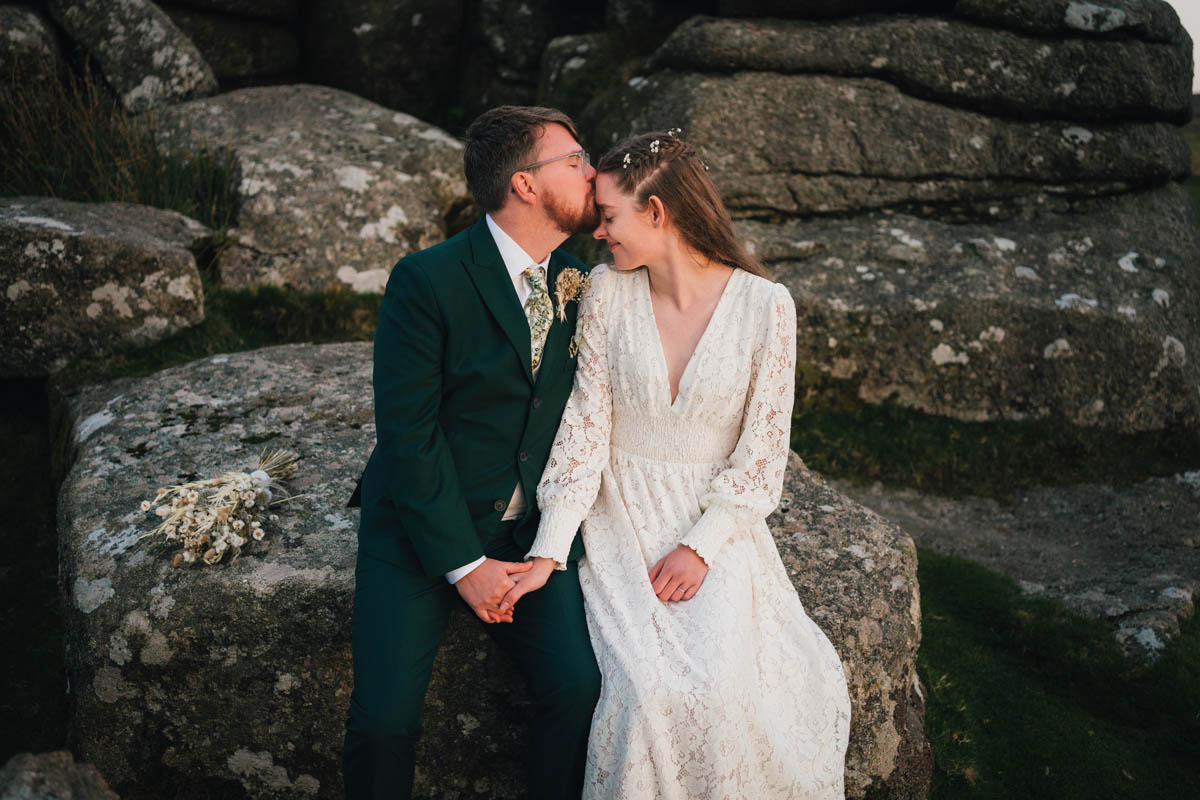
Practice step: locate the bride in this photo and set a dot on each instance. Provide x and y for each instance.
(671, 453)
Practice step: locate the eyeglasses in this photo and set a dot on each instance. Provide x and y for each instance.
(587, 160)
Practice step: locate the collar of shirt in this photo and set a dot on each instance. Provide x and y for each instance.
(516, 260)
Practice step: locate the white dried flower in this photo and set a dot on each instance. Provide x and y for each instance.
(238, 541)
(654, 146)
(258, 534)
(193, 496)
(255, 524)
(273, 517)
(145, 505)
(188, 556)
(163, 511)
(238, 524)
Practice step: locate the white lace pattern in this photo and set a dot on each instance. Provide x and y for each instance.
(735, 693)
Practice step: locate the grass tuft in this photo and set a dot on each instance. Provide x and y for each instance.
(73, 140)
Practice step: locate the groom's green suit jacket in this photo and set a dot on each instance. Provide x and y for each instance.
(460, 419)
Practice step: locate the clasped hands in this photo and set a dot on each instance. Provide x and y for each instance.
(493, 588)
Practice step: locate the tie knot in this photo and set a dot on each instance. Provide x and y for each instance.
(536, 277)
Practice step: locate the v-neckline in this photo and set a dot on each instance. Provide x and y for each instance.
(662, 353)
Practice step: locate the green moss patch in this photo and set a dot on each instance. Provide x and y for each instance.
(1026, 699)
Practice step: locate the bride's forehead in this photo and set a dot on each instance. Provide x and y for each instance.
(607, 191)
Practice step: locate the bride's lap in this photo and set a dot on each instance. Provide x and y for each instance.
(725, 600)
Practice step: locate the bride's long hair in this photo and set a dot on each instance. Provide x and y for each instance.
(663, 165)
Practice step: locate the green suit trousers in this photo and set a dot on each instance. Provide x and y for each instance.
(399, 618)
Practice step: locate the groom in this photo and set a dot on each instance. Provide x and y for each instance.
(470, 382)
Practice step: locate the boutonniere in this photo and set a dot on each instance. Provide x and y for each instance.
(567, 287)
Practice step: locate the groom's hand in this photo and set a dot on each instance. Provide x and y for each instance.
(485, 586)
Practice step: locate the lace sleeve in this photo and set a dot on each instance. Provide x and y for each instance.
(749, 489)
(571, 480)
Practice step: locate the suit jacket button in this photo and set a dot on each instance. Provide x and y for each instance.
(523, 456)
(498, 505)
(537, 402)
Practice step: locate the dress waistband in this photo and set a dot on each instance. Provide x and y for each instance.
(669, 438)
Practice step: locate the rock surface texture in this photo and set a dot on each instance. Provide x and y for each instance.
(240, 48)
(1129, 555)
(238, 675)
(977, 211)
(52, 776)
(86, 278)
(30, 56)
(1087, 315)
(402, 55)
(331, 188)
(143, 54)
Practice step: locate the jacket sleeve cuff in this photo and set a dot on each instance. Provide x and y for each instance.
(711, 531)
(556, 530)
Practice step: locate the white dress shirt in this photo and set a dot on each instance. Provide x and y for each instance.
(516, 261)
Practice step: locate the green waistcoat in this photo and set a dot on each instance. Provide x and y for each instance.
(459, 417)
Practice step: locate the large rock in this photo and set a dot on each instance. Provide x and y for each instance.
(144, 56)
(30, 56)
(279, 10)
(84, 279)
(818, 9)
(1149, 20)
(953, 62)
(239, 48)
(802, 144)
(236, 678)
(52, 776)
(501, 53)
(1129, 555)
(1089, 317)
(401, 55)
(575, 68)
(856, 574)
(332, 189)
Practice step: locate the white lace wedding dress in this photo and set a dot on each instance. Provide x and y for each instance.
(735, 693)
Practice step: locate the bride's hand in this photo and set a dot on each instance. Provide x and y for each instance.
(527, 582)
(677, 575)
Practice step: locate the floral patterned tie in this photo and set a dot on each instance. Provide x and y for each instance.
(538, 310)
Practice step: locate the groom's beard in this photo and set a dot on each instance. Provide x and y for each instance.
(572, 221)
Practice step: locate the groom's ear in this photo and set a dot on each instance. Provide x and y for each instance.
(521, 187)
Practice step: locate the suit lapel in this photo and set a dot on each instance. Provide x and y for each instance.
(491, 280)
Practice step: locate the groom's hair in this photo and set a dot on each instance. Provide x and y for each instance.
(499, 142)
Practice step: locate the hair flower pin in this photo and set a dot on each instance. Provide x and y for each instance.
(674, 132)
(654, 146)
(626, 161)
